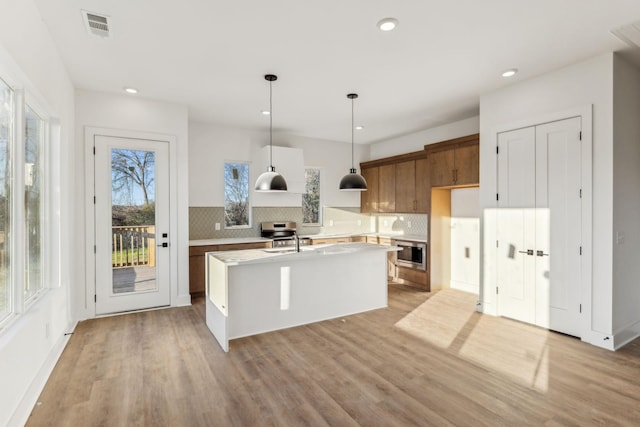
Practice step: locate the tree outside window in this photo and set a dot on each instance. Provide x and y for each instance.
(236, 195)
(311, 211)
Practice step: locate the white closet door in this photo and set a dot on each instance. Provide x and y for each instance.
(539, 225)
(516, 214)
(558, 225)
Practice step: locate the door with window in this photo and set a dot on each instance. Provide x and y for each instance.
(539, 225)
(131, 224)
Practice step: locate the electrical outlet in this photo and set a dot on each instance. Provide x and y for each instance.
(620, 237)
(330, 223)
(385, 223)
(359, 223)
(408, 224)
(217, 226)
(46, 330)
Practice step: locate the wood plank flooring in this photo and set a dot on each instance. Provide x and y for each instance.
(428, 359)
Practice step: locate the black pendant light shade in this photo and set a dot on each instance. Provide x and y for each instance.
(270, 180)
(352, 181)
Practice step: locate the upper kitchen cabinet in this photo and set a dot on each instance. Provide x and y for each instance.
(455, 162)
(387, 189)
(369, 198)
(400, 184)
(412, 178)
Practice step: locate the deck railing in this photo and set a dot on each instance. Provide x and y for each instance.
(133, 245)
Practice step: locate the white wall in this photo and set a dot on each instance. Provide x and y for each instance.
(210, 146)
(465, 239)
(626, 200)
(578, 85)
(132, 113)
(27, 355)
(416, 141)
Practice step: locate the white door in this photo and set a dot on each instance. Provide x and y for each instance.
(539, 225)
(558, 225)
(131, 224)
(516, 239)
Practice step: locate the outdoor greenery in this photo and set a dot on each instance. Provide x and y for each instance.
(236, 194)
(311, 197)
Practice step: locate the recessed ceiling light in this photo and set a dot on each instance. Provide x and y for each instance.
(359, 127)
(387, 24)
(266, 112)
(510, 72)
(131, 90)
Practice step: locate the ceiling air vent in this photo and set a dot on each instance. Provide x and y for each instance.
(98, 25)
(630, 34)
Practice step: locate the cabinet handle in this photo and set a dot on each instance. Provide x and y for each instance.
(415, 205)
(541, 253)
(528, 252)
(454, 175)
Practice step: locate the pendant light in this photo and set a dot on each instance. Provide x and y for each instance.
(270, 181)
(352, 181)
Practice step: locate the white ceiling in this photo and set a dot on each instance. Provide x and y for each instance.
(211, 55)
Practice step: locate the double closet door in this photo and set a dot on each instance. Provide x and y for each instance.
(539, 225)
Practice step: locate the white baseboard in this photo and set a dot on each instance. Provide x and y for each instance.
(30, 398)
(183, 300)
(626, 335)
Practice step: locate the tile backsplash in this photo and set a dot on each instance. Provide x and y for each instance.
(336, 220)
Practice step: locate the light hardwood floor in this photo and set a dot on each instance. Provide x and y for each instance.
(428, 359)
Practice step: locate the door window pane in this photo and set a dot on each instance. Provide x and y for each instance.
(133, 220)
(6, 113)
(311, 212)
(33, 148)
(236, 195)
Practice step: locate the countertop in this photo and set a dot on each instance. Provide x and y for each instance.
(236, 240)
(228, 241)
(254, 256)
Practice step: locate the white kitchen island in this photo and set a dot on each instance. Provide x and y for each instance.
(255, 291)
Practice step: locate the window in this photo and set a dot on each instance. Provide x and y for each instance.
(236, 195)
(6, 115)
(311, 212)
(33, 148)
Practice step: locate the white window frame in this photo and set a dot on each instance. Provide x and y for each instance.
(23, 95)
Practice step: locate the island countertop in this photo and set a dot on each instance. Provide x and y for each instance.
(255, 256)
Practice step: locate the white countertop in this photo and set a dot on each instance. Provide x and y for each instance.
(227, 241)
(253, 256)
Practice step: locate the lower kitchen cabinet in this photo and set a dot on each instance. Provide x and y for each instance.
(330, 240)
(412, 277)
(197, 261)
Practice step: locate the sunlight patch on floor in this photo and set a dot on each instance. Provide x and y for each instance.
(439, 319)
(448, 320)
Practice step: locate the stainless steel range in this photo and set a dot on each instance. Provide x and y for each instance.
(283, 234)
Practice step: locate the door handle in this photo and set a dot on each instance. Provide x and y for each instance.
(541, 253)
(163, 245)
(528, 252)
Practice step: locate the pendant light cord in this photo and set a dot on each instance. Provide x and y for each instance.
(270, 126)
(352, 134)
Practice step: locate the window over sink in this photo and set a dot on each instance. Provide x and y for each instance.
(311, 208)
(237, 206)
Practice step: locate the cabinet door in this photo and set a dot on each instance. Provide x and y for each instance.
(387, 188)
(369, 198)
(406, 186)
(441, 165)
(423, 187)
(196, 267)
(467, 165)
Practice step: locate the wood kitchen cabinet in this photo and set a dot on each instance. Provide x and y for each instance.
(387, 188)
(197, 261)
(455, 162)
(330, 240)
(411, 186)
(369, 198)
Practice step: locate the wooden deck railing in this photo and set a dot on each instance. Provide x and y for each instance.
(133, 246)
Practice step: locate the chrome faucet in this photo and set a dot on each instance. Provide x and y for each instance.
(297, 239)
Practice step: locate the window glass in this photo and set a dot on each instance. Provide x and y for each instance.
(6, 114)
(33, 148)
(236, 195)
(311, 212)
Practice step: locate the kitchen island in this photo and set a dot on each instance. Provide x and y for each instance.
(261, 290)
